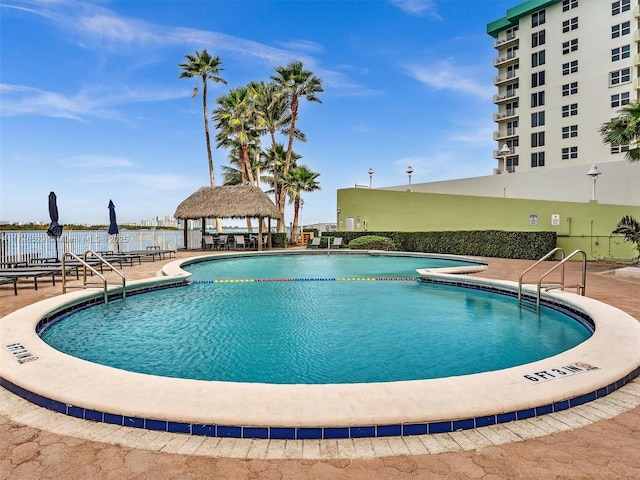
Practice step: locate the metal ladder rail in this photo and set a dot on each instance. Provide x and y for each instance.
(85, 265)
(89, 253)
(580, 288)
(548, 255)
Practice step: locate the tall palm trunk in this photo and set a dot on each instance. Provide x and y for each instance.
(287, 158)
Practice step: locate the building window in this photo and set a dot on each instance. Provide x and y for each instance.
(569, 89)
(537, 79)
(620, 99)
(570, 46)
(537, 119)
(537, 18)
(537, 99)
(570, 110)
(621, 29)
(537, 159)
(569, 25)
(620, 6)
(537, 139)
(571, 131)
(620, 76)
(619, 148)
(569, 153)
(620, 53)
(569, 4)
(538, 38)
(537, 59)
(570, 67)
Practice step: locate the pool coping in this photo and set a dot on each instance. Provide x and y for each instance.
(95, 392)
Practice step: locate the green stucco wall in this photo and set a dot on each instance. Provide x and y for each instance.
(585, 226)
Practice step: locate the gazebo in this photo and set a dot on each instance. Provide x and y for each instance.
(233, 201)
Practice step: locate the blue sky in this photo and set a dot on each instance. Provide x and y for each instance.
(92, 107)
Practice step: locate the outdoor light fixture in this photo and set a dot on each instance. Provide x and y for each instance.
(504, 152)
(371, 172)
(409, 172)
(593, 173)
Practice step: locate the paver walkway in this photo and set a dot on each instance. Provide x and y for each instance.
(582, 446)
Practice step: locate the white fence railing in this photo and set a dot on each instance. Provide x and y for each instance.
(24, 245)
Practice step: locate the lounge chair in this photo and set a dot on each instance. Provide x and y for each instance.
(14, 281)
(337, 242)
(315, 242)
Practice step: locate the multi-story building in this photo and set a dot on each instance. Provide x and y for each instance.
(564, 67)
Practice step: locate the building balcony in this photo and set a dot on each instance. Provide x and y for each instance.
(506, 77)
(510, 39)
(636, 83)
(636, 11)
(636, 36)
(505, 115)
(503, 97)
(636, 59)
(506, 133)
(505, 59)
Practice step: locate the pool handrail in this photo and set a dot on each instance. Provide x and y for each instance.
(580, 287)
(548, 255)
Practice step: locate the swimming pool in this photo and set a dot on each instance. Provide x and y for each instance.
(315, 319)
(592, 369)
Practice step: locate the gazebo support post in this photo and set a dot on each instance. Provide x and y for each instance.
(259, 234)
(204, 230)
(269, 242)
(184, 234)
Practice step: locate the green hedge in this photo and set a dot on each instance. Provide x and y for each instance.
(480, 243)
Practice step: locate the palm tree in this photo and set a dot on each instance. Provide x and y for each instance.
(293, 82)
(299, 179)
(239, 125)
(624, 130)
(629, 227)
(204, 67)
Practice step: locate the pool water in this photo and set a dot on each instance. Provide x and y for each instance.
(313, 332)
(315, 266)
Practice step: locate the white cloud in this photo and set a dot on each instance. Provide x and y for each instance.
(447, 76)
(96, 101)
(98, 161)
(417, 7)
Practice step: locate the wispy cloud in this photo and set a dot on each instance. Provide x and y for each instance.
(98, 161)
(448, 76)
(144, 181)
(96, 102)
(417, 7)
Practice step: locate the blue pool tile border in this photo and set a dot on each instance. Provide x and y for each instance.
(300, 433)
(303, 433)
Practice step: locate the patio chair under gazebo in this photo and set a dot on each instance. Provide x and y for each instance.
(233, 201)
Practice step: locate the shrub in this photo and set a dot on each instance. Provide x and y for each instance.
(372, 242)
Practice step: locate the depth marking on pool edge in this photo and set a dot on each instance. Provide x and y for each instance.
(558, 372)
(20, 353)
(346, 279)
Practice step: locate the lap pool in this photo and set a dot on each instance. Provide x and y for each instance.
(304, 408)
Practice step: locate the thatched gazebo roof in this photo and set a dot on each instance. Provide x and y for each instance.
(233, 201)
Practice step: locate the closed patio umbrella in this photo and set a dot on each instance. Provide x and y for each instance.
(55, 229)
(113, 226)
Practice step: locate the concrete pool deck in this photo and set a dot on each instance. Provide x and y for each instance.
(407, 451)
